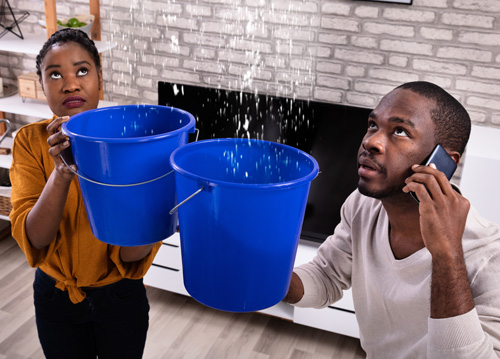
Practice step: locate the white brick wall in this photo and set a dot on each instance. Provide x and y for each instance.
(339, 51)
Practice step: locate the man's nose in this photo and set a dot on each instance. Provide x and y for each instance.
(374, 143)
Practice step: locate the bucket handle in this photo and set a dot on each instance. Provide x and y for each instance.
(67, 154)
(173, 210)
(7, 124)
(108, 184)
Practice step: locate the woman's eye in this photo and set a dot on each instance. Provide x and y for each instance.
(55, 75)
(82, 72)
(400, 132)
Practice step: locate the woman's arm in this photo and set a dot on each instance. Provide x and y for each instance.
(133, 254)
(43, 221)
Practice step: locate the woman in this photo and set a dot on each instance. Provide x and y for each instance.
(89, 296)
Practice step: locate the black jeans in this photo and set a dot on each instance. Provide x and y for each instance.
(111, 322)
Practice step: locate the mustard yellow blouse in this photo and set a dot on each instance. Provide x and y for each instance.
(75, 258)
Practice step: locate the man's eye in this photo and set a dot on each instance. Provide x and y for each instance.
(55, 75)
(400, 132)
(82, 72)
(372, 126)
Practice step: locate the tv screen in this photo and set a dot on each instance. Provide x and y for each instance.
(331, 133)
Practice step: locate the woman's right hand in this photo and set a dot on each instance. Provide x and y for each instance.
(58, 142)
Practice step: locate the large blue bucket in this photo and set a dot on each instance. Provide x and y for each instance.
(122, 157)
(240, 231)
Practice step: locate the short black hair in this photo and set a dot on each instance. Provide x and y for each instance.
(64, 36)
(453, 124)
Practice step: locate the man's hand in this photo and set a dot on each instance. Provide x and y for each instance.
(443, 214)
(443, 211)
(295, 291)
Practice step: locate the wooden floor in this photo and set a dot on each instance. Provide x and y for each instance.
(180, 327)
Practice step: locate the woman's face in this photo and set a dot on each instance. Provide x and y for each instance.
(70, 79)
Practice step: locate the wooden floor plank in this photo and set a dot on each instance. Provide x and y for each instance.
(179, 327)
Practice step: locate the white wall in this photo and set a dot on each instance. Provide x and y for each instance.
(341, 51)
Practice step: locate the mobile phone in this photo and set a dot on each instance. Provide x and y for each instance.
(443, 162)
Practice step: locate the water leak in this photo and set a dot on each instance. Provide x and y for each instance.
(259, 50)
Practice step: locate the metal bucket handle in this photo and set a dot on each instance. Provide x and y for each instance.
(7, 123)
(173, 210)
(109, 184)
(67, 156)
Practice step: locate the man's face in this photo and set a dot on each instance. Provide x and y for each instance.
(400, 134)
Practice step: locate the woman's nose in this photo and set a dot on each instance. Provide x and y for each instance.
(71, 84)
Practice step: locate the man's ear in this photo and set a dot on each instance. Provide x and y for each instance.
(455, 156)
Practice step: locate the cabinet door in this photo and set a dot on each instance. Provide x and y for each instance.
(330, 319)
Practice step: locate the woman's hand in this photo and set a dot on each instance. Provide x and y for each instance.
(58, 142)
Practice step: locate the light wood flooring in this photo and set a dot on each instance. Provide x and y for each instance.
(180, 327)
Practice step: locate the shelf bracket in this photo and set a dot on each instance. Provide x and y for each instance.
(14, 22)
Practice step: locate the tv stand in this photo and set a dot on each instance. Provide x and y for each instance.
(166, 274)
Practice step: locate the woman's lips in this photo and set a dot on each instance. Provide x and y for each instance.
(74, 101)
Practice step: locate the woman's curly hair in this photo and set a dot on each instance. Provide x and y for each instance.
(64, 36)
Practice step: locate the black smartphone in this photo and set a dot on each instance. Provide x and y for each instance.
(443, 162)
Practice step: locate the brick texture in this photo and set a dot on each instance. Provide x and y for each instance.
(339, 51)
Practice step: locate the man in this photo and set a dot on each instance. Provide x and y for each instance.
(424, 276)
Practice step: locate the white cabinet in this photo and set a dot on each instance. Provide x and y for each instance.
(479, 182)
(330, 319)
(166, 273)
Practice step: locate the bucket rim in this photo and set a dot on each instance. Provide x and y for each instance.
(189, 127)
(220, 183)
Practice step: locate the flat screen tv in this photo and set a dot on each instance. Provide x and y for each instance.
(330, 133)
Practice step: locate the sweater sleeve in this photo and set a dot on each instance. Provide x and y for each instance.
(459, 337)
(133, 270)
(329, 273)
(475, 334)
(28, 178)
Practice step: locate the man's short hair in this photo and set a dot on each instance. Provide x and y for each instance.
(452, 121)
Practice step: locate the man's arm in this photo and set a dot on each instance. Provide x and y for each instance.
(456, 329)
(450, 289)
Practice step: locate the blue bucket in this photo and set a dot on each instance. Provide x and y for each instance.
(122, 157)
(242, 219)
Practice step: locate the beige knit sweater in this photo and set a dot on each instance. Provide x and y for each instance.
(392, 297)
